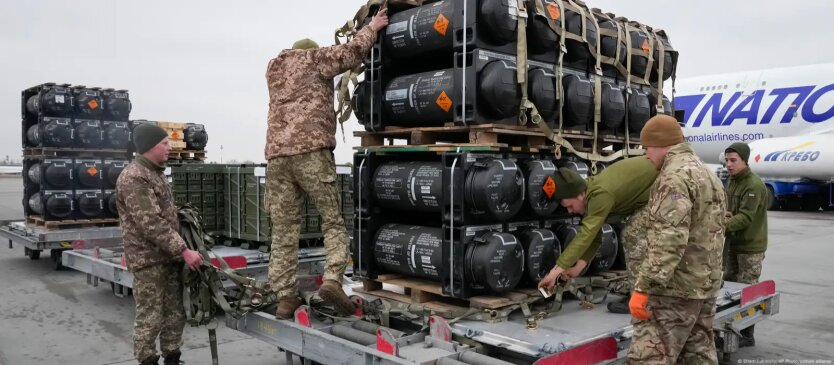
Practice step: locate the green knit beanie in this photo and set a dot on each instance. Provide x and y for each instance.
(569, 184)
(741, 148)
(146, 136)
(305, 43)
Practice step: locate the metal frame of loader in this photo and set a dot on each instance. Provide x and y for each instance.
(574, 335)
(105, 265)
(35, 239)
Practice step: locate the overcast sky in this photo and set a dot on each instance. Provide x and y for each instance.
(204, 61)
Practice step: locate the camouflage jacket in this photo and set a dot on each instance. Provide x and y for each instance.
(686, 229)
(301, 114)
(148, 216)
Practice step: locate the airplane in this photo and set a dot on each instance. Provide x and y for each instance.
(785, 114)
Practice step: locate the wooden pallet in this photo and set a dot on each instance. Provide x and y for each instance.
(32, 152)
(187, 155)
(177, 145)
(71, 223)
(430, 294)
(487, 136)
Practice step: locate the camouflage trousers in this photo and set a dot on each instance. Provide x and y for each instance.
(679, 331)
(157, 291)
(743, 268)
(635, 244)
(288, 179)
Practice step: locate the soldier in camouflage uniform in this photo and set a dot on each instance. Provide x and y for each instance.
(299, 144)
(154, 251)
(747, 198)
(620, 190)
(674, 296)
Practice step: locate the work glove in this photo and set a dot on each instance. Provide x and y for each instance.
(637, 306)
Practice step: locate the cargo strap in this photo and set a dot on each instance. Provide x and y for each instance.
(525, 105)
(203, 292)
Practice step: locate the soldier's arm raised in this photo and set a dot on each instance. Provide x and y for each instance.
(599, 206)
(670, 206)
(750, 201)
(143, 207)
(334, 60)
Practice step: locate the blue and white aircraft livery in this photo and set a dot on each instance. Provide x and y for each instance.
(785, 114)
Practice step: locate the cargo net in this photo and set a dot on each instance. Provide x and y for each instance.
(602, 71)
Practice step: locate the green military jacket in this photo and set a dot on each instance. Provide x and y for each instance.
(620, 189)
(685, 230)
(747, 199)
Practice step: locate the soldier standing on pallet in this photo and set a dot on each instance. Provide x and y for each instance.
(299, 150)
(674, 295)
(622, 189)
(154, 250)
(747, 199)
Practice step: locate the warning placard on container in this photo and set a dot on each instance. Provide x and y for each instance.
(443, 101)
(549, 187)
(441, 24)
(93, 104)
(553, 11)
(92, 171)
(645, 46)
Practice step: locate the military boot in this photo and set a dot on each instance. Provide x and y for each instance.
(620, 306)
(286, 307)
(747, 339)
(332, 294)
(174, 358)
(153, 360)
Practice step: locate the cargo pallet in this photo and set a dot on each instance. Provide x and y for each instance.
(187, 155)
(486, 137)
(581, 335)
(71, 223)
(45, 152)
(35, 239)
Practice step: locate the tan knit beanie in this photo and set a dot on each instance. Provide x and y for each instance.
(661, 131)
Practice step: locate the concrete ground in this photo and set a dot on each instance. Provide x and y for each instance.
(54, 317)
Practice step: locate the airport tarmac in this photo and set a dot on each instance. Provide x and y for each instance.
(54, 317)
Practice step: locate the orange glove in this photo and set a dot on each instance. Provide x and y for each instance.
(637, 305)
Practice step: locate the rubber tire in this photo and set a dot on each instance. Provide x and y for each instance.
(55, 255)
(810, 202)
(773, 202)
(792, 203)
(34, 254)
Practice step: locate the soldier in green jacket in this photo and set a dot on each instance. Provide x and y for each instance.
(620, 190)
(673, 301)
(747, 224)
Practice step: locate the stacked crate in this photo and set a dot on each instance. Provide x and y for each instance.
(230, 198)
(75, 142)
(188, 140)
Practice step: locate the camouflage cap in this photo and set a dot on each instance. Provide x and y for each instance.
(305, 43)
(741, 148)
(569, 184)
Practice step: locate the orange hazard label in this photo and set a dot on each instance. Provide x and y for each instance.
(549, 187)
(175, 135)
(92, 171)
(553, 11)
(93, 104)
(443, 101)
(440, 24)
(645, 46)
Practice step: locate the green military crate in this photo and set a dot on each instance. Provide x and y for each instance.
(180, 198)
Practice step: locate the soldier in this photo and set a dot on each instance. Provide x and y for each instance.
(621, 189)
(299, 150)
(673, 301)
(154, 250)
(747, 199)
